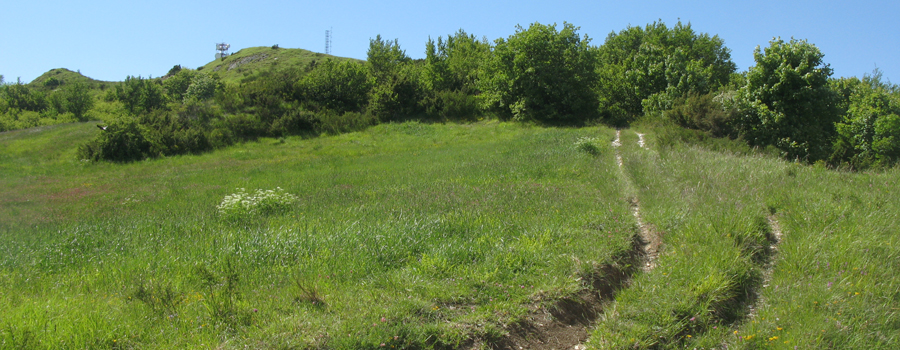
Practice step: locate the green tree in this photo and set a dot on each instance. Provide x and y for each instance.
(341, 86)
(647, 69)
(541, 74)
(869, 132)
(21, 97)
(177, 83)
(78, 100)
(384, 57)
(454, 64)
(202, 87)
(397, 87)
(140, 95)
(786, 101)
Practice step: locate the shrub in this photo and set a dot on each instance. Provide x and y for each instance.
(590, 145)
(452, 105)
(701, 112)
(341, 86)
(122, 141)
(259, 202)
(294, 122)
(334, 123)
(202, 87)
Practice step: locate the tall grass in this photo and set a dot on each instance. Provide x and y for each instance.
(718, 283)
(409, 235)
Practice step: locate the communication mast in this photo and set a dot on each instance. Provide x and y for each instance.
(223, 50)
(328, 41)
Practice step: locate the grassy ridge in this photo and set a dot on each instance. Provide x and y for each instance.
(252, 60)
(410, 235)
(827, 284)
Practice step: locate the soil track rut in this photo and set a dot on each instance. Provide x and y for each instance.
(566, 324)
(768, 267)
(648, 238)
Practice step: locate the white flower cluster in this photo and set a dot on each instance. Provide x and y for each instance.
(259, 202)
(591, 145)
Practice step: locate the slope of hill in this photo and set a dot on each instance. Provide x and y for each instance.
(255, 59)
(442, 236)
(61, 76)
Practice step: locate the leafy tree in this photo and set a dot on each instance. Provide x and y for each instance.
(177, 83)
(541, 74)
(122, 141)
(339, 86)
(397, 88)
(202, 87)
(397, 96)
(384, 57)
(869, 132)
(21, 97)
(454, 64)
(140, 95)
(52, 82)
(786, 101)
(647, 69)
(78, 100)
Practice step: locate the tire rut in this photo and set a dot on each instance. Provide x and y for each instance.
(566, 324)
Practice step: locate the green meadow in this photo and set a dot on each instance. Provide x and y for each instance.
(442, 236)
(409, 235)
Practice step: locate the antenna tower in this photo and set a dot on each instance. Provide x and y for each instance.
(328, 42)
(223, 50)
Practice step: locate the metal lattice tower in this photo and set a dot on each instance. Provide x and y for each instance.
(222, 49)
(328, 42)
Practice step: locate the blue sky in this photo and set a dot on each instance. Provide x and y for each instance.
(109, 40)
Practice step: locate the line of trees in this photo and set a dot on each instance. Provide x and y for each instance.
(543, 73)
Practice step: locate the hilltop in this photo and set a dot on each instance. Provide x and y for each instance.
(61, 76)
(248, 61)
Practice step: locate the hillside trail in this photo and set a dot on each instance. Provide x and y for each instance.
(768, 267)
(566, 324)
(648, 237)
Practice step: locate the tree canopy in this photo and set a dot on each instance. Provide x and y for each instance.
(542, 74)
(648, 68)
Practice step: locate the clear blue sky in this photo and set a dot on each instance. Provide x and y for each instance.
(109, 40)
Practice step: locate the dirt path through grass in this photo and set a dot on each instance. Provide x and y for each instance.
(649, 239)
(767, 269)
(566, 324)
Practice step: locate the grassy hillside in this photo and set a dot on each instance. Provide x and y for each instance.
(487, 235)
(61, 76)
(411, 235)
(252, 60)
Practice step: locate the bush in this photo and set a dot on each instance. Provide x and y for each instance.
(452, 105)
(202, 87)
(334, 123)
(140, 95)
(122, 141)
(701, 112)
(261, 202)
(869, 132)
(340, 86)
(590, 145)
(294, 122)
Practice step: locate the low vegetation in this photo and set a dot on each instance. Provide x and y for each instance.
(412, 235)
(279, 198)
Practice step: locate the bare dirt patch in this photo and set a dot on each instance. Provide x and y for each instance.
(565, 324)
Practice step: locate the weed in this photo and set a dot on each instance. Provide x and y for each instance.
(261, 202)
(590, 145)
